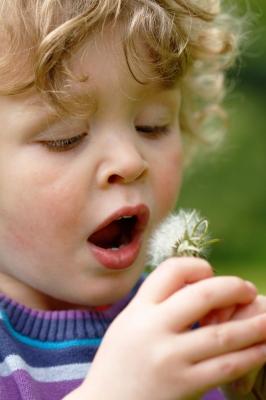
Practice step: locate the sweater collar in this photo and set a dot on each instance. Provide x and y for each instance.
(63, 325)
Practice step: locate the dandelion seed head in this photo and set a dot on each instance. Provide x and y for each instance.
(181, 234)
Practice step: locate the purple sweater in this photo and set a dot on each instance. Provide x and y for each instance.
(44, 355)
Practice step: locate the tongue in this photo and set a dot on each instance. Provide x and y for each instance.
(107, 236)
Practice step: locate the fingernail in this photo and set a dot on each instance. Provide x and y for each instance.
(251, 286)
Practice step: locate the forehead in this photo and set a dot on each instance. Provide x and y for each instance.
(103, 61)
(101, 75)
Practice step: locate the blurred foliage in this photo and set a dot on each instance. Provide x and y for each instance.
(229, 187)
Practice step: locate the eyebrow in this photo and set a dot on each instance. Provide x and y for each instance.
(85, 98)
(85, 102)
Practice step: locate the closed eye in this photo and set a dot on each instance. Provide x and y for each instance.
(64, 144)
(153, 131)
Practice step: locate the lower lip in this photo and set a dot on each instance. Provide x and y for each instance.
(117, 259)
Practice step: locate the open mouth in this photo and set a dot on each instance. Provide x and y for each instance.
(116, 234)
(116, 242)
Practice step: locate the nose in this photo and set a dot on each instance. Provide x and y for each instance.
(123, 164)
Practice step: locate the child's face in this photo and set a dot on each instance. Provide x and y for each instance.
(52, 199)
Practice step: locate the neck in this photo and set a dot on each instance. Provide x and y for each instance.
(34, 299)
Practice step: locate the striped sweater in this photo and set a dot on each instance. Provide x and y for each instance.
(44, 355)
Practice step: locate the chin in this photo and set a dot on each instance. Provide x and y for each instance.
(107, 295)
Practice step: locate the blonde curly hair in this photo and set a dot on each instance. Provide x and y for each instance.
(191, 43)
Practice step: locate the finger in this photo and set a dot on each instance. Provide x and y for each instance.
(219, 316)
(258, 306)
(195, 301)
(172, 275)
(229, 367)
(216, 340)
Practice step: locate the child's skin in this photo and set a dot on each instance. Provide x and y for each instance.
(172, 361)
(53, 200)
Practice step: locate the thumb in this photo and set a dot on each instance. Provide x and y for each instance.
(172, 275)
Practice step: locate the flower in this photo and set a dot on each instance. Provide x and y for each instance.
(181, 234)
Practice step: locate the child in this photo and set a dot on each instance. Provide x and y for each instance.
(95, 98)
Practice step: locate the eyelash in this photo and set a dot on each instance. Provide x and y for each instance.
(69, 143)
(153, 131)
(64, 144)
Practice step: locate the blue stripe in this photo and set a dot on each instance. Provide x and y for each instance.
(43, 357)
(47, 345)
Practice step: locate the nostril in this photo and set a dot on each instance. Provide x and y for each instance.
(121, 170)
(115, 179)
(127, 176)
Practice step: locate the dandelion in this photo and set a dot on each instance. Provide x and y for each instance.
(182, 234)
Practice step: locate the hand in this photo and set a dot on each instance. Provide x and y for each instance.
(244, 385)
(150, 352)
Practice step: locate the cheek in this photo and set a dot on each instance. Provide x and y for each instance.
(61, 205)
(168, 183)
(41, 214)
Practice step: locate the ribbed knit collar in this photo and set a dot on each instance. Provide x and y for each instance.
(57, 326)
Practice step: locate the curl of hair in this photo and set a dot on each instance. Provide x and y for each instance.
(190, 42)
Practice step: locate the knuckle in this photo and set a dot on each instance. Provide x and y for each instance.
(230, 369)
(206, 294)
(221, 337)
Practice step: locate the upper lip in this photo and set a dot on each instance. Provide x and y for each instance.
(140, 211)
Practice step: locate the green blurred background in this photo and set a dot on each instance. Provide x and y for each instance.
(229, 187)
